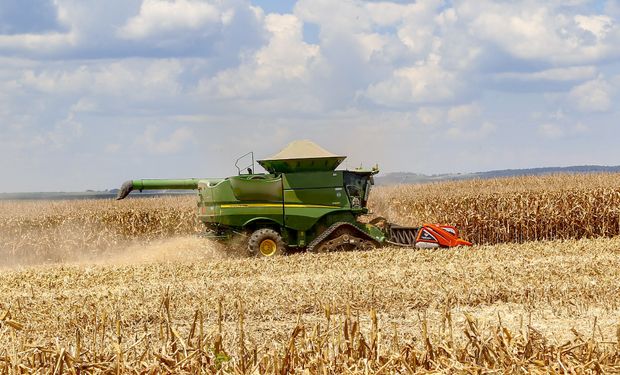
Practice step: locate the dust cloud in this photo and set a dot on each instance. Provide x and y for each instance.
(70, 247)
(176, 249)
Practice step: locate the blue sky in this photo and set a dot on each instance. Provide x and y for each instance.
(96, 92)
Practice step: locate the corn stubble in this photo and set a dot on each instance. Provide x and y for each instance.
(538, 307)
(335, 347)
(549, 306)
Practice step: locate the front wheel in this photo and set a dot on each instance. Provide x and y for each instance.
(266, 243)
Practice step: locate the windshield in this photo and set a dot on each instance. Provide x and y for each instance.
(357, 186)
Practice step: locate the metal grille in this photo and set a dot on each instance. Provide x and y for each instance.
(404, 236)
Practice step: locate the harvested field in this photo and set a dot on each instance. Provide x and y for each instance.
(110, 287)
(524, 307)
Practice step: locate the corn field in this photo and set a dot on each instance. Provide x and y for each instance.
(107, 287)
(512, 209)
(485, 211)
(56, 231)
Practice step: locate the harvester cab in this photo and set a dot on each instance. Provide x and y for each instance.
(302, 202)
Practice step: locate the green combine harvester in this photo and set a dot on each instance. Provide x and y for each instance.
(302, 203)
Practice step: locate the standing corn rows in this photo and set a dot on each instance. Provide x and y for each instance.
(519, 210)
(485, 211)
(55, 230)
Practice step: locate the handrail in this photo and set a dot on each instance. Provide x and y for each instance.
(247, 166)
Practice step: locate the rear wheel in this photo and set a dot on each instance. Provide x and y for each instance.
(266, 243)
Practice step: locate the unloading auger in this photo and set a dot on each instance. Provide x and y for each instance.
(302, 203)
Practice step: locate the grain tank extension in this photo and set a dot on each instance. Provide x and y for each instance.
(302, 203)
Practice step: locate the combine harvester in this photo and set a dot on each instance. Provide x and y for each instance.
(302, 203)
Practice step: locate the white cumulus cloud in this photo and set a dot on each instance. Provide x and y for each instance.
(556, 131)
(542, 31)
(39, 43)
(550, 130)
(476, 132)
(128, 78)
(573, 73)
(592, 96)
(286, 58)
(164, 16)
(426, 82)
(156, 143)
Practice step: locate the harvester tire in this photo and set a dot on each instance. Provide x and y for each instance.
(266, 243)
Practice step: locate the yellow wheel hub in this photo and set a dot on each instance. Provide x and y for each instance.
(268, 247)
